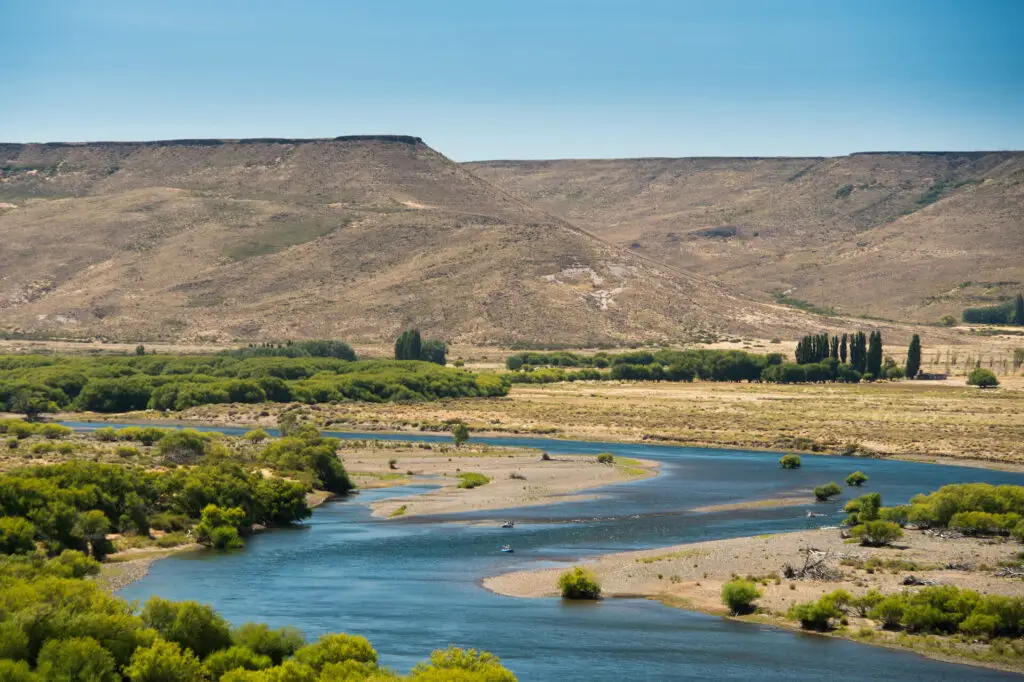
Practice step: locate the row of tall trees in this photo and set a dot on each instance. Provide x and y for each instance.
(863, 351)
(411, 346)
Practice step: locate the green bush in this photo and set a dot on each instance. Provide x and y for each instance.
(234, 658)
(863, 509)
(68, 628)
(889, 612)
(127, 451)
(827, 491)
(606, 458)
(172, 540)
(877, 533)
(54, 431)
(739, 596)
(982, 378)
(790, 462)
(579, 583)
(472, 480)
(460, 433)
(186, 445)
(937, 509)
(857, 479)
(819, 615)
(276, 644)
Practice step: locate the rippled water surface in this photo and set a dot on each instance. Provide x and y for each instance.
(413, 585)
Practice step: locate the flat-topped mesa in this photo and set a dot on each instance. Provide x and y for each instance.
(215, 142)
(354, 237)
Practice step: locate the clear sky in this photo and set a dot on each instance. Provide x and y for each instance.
(481, 79)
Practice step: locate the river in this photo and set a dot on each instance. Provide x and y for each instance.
(413, 585)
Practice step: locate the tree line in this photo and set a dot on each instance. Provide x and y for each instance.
(34, 384)
(56, 624)
(1011, 312)
(74, 505)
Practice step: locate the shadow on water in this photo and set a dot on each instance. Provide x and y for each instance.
(411, 585)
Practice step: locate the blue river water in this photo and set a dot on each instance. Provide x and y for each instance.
(414, 585)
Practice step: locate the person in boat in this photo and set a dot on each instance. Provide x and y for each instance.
(508, 524)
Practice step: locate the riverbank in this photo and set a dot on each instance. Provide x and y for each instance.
(942, 422)
(516, 478)
(691, 577)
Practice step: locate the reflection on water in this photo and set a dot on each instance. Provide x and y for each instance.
(413, 585)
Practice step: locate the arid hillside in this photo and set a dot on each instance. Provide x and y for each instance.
(358, 237)
(904, 236)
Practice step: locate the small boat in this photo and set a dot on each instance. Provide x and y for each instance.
(812, 515)
(507, 549)
(508, 524)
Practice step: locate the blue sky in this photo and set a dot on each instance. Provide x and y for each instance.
(480, 79)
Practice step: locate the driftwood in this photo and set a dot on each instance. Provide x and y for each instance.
(914, 580)
(815, 567)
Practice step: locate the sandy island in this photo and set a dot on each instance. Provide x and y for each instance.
(519, 477)
(691, 576)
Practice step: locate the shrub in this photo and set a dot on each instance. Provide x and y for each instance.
(277, 644)
(334, 648)
(55, 431)
(893, 373)
(234, 658)
(606, 458)
(472, 480)
(183, 446)
(827, 491)
(77, 658)
(947, 321)
(877, 533)
(857, 478)
(164, 661)
(897, 515)
(17, 535)
(818, 615)
(889, 612)
(739, 595)
(193, 625)
(866, 602)
(256, 436)
(790, 462)
(982, 378)
(127, 451)
(172, 540)
(579, 583)
(460, 434)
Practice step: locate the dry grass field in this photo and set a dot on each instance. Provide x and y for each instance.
(904, 419)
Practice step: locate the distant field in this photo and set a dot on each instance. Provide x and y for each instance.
(906, 419)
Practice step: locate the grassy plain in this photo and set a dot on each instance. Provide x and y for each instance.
(913, 420)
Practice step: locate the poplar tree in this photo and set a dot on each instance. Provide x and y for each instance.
(913, 357)
(835, 348)
(1018, 310)
(408, 345)
(842, 349)
(874, 355)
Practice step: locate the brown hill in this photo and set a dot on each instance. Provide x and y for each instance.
(893, 235)
(353, 237)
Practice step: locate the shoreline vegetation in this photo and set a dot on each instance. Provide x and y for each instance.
(942, 575)
(691, 577)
